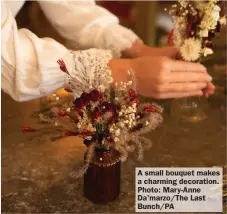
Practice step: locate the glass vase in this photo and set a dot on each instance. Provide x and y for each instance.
(189, 109)
(102, 178)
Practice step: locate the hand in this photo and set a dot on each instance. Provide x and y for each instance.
(138, 49)
(172, 53)
(209, 90)
(162, 77)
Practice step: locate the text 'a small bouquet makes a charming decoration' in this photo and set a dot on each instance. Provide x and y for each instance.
(111, 120)
(195, 25)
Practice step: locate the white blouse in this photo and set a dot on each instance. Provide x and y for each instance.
(29, 64)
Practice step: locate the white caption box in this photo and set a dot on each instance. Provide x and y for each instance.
(179, 190)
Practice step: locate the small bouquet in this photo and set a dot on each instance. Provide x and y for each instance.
(106, 117)
(195, 25)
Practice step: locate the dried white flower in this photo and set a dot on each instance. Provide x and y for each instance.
(203, 33)
(68, 109)
(133, 116)
(134, 105)
(102, 88)
(211, 16)
(184, 3)
(216, 12)
(56, 124)
(179, 31)
(222, 20)
(111, 129)
(191, 49)
(116, 139)
(57, 98)
(121, 124)
(78, 126)
(207, 51)
(88, 138)
(129, 82)
(117, 132)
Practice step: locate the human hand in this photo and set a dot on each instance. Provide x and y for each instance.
(138, 49)
(162, 77)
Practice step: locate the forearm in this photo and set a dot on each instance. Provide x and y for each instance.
(138, 49)
(86, 25)
(135, 50)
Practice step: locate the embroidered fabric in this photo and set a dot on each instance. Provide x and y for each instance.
(90, 71)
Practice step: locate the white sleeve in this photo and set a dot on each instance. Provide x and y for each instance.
(87, 25)
(29, 64)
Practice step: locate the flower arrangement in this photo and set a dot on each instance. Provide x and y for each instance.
(106, 116)
(195, 24)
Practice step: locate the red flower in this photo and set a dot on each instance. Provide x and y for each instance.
(109, 139)
(85, 98)
(170, 37)
(79, 104)
(62, 65)
(150, 108)
(135, 101)
(108, 110)
(95, 95)
(132, 93)
(61, 113)
(76, 121)
(97, 115)
(106, 106)
(68, 89)
(27, 129)
(109, 116)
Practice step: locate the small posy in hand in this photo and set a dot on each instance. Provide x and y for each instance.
(195, 25)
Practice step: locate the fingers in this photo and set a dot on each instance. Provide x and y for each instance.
(177, 65)
(177, 95)
(188, 77)
(210, 86)
(209, 90)
(181, 87)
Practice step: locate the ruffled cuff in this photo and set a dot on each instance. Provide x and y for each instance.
(88, 70)
(117, 39)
